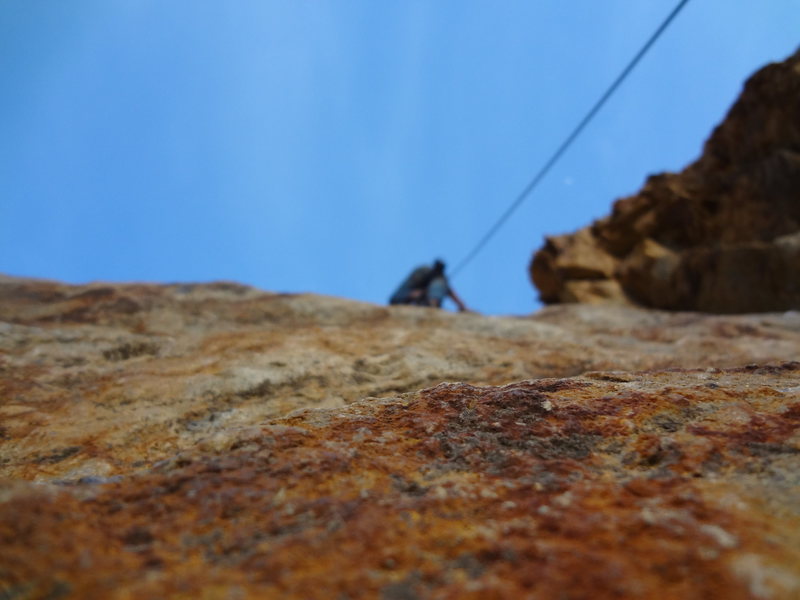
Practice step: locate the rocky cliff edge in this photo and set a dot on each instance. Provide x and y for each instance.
(723, 236)
(216, 441)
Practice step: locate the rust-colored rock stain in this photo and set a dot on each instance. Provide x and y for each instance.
(212, 441)
(663, 484)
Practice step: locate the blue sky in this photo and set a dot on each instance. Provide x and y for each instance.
(331, 146)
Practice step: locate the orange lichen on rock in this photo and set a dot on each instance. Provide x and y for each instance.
(102, 380)
(216, 441)
(661, 484)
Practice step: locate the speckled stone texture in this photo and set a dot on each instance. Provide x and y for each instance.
(215, 441)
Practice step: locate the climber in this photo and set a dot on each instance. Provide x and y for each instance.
(426, 286)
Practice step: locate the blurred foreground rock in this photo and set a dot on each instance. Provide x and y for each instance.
(215, 441)
(723, 236)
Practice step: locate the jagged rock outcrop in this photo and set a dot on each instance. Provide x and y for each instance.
(216, 441)
(722, 236)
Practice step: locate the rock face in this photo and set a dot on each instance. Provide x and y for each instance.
(723, 236)
(215, 441)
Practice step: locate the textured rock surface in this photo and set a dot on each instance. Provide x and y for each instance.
(215, 441)
(722, 236)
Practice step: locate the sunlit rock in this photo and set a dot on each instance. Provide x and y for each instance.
(722, 236)
(216, 441)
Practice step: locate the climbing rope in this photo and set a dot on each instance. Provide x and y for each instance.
(569, 140)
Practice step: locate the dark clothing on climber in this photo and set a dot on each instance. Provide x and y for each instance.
(426, 286)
